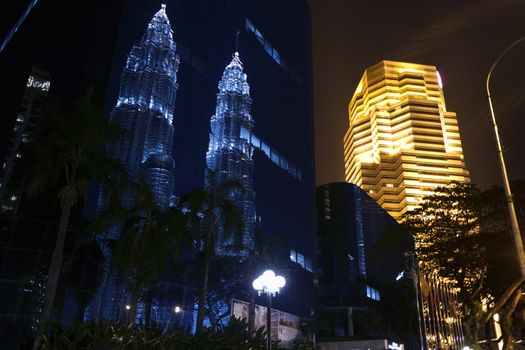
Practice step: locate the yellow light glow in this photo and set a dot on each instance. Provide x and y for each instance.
(392, 135)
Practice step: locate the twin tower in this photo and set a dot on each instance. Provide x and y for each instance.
(145, 109)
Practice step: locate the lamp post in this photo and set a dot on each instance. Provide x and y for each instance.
(508, 194)
(270, 284)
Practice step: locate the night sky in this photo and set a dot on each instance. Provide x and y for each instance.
(460, 38)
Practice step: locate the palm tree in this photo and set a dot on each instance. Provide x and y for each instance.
(149, 236)
(212, 210)
(65, 157)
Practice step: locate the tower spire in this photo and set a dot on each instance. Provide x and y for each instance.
(237, 41)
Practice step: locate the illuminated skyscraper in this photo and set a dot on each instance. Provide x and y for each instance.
(144, 109)
(230, 151)
(401, 142)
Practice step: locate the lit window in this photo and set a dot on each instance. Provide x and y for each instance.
(293, 255)
(389, 185)
(308, 265)
(372, 293)
(275, 157)
(266, 149)
(300, 259)
(272, 52)
(249, 25)
(276, 56)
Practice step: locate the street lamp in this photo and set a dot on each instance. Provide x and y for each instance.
(270, 284)
(508, 194)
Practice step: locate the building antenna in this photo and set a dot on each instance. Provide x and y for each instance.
(237, 41)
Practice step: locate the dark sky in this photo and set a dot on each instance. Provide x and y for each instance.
(460, 38)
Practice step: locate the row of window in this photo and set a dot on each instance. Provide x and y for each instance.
(372, 293)
(271, 153)
(272, 51)
(304, 261)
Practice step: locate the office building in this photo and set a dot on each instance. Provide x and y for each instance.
(401, 142)
(364, 279)
(26, 124)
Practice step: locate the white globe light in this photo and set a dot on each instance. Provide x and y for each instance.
(280, 281)
(257, 284)
(268, 275)
(269, 283)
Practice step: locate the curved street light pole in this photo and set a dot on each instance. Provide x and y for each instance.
(510, 204)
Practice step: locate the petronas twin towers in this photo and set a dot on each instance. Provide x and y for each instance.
(145, 109)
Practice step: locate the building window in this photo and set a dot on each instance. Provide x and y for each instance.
(272, 154)
(372, 293)
(308, 264)
(327, 211)
(272, 52)
(293, 255)
(300, 259)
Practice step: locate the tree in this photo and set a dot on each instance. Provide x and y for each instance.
(449, 221)
(460, 233)
(65, 157)
(212, 209)
(149, 236)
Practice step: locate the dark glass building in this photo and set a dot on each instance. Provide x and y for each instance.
(27, 121)
(276, 162)
(92, 45)
(365, 285)
(71, 53)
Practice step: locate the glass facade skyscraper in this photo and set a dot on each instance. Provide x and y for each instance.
(144, 110)
(272, 151)
(230, 152)
(360, 271)
(139, 87)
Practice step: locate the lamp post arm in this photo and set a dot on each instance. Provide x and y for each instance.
(506, 185)
(501, 55)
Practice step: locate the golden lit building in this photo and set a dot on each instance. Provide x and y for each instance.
(401, 141)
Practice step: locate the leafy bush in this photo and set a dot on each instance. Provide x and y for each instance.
(110, 336)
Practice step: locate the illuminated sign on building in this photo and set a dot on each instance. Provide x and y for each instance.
(42, 85)
(395, 346)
